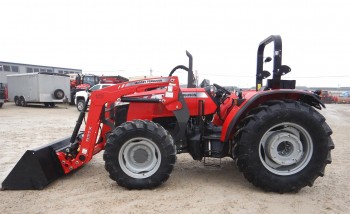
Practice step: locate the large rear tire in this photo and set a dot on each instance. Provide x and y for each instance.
(283, 146)
(139, 155)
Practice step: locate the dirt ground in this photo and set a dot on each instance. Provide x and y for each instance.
(192, 187)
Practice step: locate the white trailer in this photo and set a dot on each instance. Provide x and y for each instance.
(46, 88)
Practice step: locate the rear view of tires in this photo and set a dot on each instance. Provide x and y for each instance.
(139, 155)
(283, 146)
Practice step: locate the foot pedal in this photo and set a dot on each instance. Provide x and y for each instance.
(212, 162)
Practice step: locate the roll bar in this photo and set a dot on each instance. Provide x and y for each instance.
(278, 68)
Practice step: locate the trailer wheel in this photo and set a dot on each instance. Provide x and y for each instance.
(22, 102)
(80, 104)
(139, 155)
(58, 94)
(283, 146)
(16, 101)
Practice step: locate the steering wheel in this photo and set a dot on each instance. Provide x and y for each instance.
(222, 89)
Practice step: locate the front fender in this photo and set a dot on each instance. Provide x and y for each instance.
(253, 99)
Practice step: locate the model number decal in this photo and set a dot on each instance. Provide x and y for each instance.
(194, 95)
(88, 134)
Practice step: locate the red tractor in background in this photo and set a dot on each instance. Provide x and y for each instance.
(327, 97)
(277, 138)
(86, 81)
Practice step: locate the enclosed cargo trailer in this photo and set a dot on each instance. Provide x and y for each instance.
(46, 88)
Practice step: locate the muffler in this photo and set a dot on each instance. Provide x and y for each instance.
(37, 167)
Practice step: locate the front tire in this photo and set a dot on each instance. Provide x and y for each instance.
(139, 155)
(283, 146)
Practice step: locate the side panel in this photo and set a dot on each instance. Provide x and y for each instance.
(33, 88)
(253, 99)
(147, 111)
(193, 95)
(49, 83)
(23, 85)
(150, 110)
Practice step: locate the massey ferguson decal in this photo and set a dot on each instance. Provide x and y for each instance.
(147, 81)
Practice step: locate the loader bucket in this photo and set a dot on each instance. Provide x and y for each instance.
(36, 168)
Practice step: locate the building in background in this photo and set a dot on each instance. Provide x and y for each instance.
(7, 68)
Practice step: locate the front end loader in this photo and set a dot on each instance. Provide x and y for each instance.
(277, 138)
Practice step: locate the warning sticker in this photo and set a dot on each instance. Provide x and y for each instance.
(169, 94)
(84, 151)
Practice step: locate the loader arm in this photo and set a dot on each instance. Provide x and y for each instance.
(93, 140)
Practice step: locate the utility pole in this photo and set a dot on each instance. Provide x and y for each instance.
(150, 72)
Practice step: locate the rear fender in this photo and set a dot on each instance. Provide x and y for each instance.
(254, 99)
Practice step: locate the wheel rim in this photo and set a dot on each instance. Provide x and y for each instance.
(22, 102)
(80, 106)
(59, 94)
(286, 149)
(139, 158)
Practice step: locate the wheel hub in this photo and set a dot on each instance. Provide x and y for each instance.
(284, 148)
(80, 105)
(139, 158)
(140, 155)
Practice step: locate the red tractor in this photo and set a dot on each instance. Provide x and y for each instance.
(327, 97)
(277, 138)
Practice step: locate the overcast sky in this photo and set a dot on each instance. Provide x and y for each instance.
(129, 38)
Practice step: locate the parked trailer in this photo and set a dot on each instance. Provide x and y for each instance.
(43, 87)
